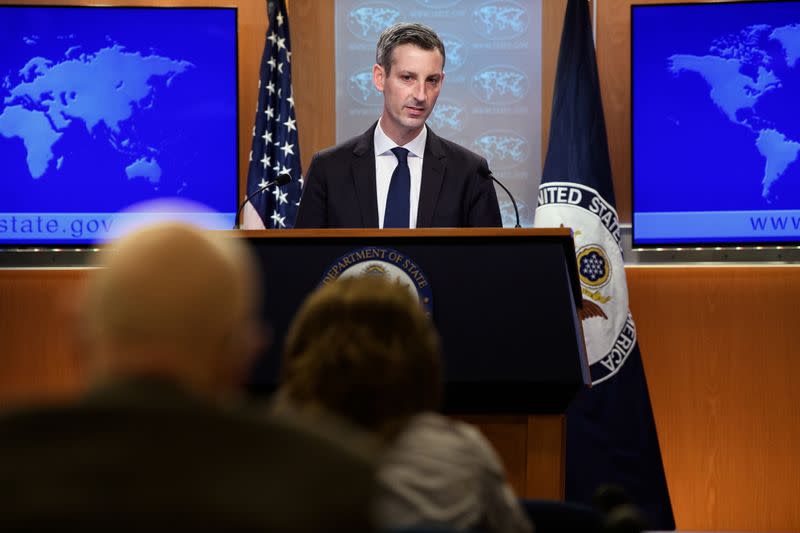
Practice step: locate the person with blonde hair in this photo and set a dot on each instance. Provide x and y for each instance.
(170, 322)
(364, 349)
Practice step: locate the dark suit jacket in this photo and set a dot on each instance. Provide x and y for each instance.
(340, 190)
(147, 457)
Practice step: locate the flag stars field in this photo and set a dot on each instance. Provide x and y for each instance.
(275, 144)
(278, 219)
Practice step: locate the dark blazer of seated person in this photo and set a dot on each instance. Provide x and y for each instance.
(143, 455)
(340, 189)
(169, 325)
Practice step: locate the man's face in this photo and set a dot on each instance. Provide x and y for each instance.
(409, 90)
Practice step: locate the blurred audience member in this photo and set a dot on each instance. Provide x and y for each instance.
(364, 349)
(170, 323)
(625, 519)
(620, 515)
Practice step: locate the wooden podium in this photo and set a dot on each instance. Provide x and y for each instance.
(504, 302)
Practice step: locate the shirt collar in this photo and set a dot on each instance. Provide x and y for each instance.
(383, 143)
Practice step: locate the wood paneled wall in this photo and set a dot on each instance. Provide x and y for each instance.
(39, 353)
(719, 346)
(313, 74)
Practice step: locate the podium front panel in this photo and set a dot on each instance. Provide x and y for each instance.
(504, 308)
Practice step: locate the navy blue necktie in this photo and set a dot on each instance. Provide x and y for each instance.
(398, 201)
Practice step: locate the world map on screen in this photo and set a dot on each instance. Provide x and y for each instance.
(106, 87)
(740, 71)
(103, 108)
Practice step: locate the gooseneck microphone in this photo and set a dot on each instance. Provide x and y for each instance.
(280, 181)
(513, 202)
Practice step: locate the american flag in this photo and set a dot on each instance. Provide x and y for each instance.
(275, 146)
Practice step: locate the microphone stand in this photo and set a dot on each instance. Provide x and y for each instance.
(280, 181)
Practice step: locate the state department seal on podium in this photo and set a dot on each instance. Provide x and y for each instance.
(384, 262)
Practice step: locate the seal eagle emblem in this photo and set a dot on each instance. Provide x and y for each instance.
(607, 323)
(383, 262)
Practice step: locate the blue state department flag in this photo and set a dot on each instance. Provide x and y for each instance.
(611, 434)
(275, 147)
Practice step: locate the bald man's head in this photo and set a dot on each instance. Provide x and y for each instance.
(173, 301)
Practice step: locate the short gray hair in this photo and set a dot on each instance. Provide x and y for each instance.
(406, 33)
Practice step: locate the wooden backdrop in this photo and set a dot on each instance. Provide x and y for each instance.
(718, 343)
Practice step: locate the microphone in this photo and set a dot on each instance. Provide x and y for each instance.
(513, 202)
(280, 181)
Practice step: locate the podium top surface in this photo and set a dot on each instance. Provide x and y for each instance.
(565, 233)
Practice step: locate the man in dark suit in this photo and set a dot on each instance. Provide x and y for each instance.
(399, 173)
(159, 442)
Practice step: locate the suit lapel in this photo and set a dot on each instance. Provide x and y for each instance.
(364, 178)
(434, 164)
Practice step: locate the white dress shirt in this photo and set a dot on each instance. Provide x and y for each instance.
(385, 163)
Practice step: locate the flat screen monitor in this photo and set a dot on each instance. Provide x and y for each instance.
(110, 116)
(716, 123)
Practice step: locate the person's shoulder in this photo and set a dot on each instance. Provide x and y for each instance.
(31, 419)
(348, 147)
(438, 422)
(445, 432)
(331, 151)
(326, 432)
(459, 435)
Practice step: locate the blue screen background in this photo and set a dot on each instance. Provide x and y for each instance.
(689, 154)
(182, 132)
